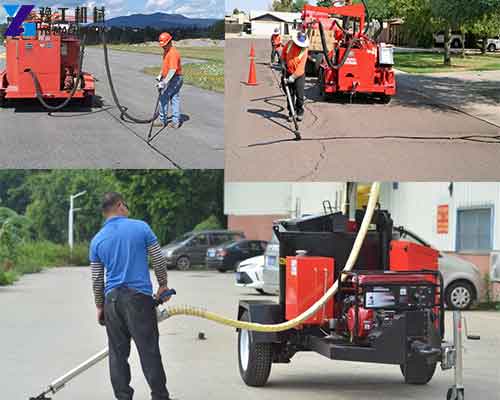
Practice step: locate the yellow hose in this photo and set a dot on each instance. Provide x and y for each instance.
(251, 326)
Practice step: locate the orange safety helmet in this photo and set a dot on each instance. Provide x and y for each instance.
(165, 38)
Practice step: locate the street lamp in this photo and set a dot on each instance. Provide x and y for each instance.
(72, 211)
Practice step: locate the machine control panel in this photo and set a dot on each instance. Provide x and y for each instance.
(399, 297)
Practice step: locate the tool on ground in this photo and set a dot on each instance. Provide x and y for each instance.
(60, 382)
(342, 54)
(252, 74)
(286, 89)
(457, 391)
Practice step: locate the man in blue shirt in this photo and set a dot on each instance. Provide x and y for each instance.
(123, 295)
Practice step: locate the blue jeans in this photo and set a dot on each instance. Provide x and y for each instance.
(171, 95)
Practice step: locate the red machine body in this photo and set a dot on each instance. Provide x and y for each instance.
(368, 65)
(53, 57)
(307, 279)
(365, 320)
(409, 256)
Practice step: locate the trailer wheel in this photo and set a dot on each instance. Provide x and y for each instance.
(417, 371)
(254, 359)
(385, 99)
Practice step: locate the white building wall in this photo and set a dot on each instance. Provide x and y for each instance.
(266, 28)
(280, 198)
(414, 205)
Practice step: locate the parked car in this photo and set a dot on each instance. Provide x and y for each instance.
(228, 256)
(462, 279)
(493, 44)
(456, 39)
(191, 248)
(249, 274)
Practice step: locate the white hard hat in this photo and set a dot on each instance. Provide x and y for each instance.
(301, 39)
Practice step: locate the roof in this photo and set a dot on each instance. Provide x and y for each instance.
(282, 16)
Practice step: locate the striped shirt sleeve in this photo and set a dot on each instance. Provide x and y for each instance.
(159, 264)
(98, 282)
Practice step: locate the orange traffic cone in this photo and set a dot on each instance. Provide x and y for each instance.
(252, 75)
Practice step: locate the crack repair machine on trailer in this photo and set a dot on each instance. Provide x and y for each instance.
(343, 56)
(349, 292)
(45, 62)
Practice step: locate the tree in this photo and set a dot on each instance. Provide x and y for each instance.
(457, 14)
(486, 27)
(236, 11)
(282, 5)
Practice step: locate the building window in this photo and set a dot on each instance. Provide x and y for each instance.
(474, 229)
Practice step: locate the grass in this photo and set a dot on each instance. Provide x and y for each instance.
(209, 76)
(424, 63)
(213, 53)
(35, 256)
(489, 306)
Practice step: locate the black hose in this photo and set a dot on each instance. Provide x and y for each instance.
(38, 88)
(326, 50)
(123, 110)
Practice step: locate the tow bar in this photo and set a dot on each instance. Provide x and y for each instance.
(457, 392)
(59, 383)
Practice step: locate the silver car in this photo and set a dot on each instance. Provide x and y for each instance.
(462, 279)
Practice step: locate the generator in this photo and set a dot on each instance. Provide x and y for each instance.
(344, 57)
(46, 65)
(389, 309)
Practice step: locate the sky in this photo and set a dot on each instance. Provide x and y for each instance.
(247, 5)
(189, 8)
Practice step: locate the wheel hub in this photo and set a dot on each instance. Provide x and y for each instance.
(460, 297)
(244, 349)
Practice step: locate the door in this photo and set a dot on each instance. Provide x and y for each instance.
(198, 247)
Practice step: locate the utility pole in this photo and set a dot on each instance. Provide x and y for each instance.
(71, 214)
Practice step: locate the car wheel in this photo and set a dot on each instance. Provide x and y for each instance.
(492, 47)
(254, 359)
(456, 44)
(183, 263)
(261, 291)
(417, 371)
(221, 270)
(460, 295)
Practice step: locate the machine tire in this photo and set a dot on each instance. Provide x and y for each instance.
(417, 371)
(459, 395)
(385, 99)
(492, 47)
(261, 291)
(183, 263)
(258, 360)
(88, 101)
(463, 289)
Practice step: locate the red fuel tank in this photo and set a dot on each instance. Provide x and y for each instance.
(307, 280)
(408, 256)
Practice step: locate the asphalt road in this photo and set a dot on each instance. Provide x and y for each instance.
(47, 327)
(342, 140)
(97, 138)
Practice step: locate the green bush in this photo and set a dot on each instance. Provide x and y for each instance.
(210, 223)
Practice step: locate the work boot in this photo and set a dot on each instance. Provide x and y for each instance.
(175, 125)
(290, 118)
(300, 117)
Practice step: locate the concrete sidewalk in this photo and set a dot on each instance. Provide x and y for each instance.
(475, 93)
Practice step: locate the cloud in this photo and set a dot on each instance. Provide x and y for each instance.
(189, 8)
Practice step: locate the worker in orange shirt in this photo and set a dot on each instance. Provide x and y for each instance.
(275, 45)
(170, 82)
(294, 58)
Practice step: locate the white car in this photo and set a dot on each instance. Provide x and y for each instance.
(493, 44)
(249, 274)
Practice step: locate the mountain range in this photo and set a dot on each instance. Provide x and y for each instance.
(159, 21)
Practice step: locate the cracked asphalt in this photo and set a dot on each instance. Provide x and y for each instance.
(419, 136)
(97, 138)
(47, 327)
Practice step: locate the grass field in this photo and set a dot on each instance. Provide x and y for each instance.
(208, 75)
(424, 63)
(215, 54)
